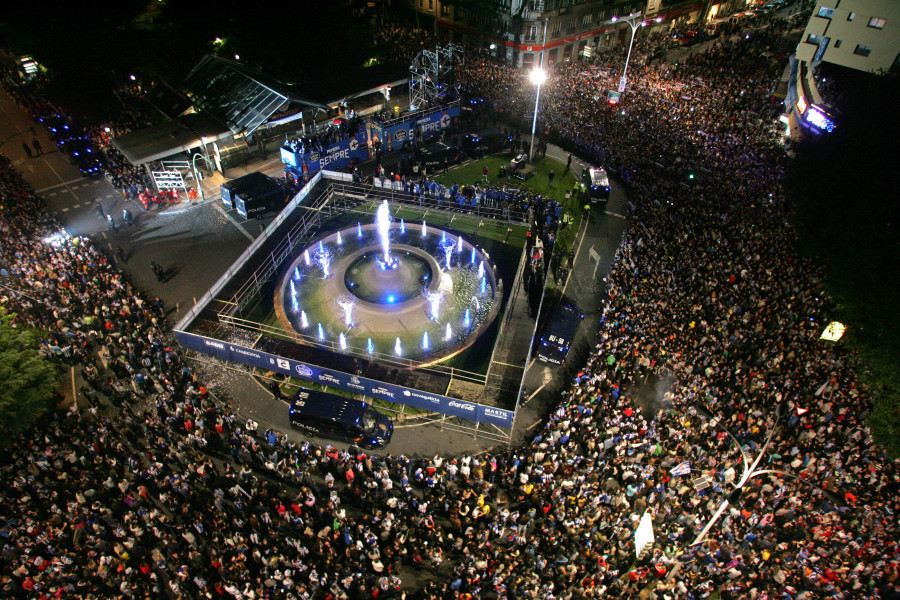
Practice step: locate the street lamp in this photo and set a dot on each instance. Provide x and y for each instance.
(538, 77)
(750, 471)
(634, 24)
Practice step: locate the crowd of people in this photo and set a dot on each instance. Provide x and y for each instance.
(171, 495)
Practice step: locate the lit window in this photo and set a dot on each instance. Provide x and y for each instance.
(814, 39)
(825, 12)
(876, 23)
(862, 50)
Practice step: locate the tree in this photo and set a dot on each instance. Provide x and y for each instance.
(27, 380)
(843, 185)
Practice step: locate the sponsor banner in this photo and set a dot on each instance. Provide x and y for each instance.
(335, 157)
(426, 129)
(345, 381)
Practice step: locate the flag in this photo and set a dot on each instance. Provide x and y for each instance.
(682, 469)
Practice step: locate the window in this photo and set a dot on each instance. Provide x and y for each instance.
(837, 43)
(570, 25)
(530, 32)
(851, 16)
(862, 50)
(586, 20)
(825, 12)
(461, 13)
(876, 23)
(445, 10)
(557, 27)
(527, 61)
(814, 39)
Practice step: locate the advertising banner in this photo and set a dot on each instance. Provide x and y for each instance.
(345, 381)
(421, 130)
(335, 157)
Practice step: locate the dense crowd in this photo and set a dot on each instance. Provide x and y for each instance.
(173, 496)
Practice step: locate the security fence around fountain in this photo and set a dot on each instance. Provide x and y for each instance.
(234, 302)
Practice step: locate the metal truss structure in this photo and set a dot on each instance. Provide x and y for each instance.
(431, 75)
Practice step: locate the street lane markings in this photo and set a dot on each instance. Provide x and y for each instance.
(234, 222)
(53, 187)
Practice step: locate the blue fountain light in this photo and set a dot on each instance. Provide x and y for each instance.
(483, 285)
(467, 319)
(448, 333)
(304, 322)
(296, 272)
(322, 331)
(402, 226)
(370, 347)
(424, 228)
(425, 341)
(358, 229)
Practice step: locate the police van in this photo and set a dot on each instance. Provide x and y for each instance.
(336, 417)
(595, 183)
(485, 142)
(554, 345)
(438, 155)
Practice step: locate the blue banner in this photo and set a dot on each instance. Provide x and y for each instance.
(335, 157)
(416, 130)
(345, 381)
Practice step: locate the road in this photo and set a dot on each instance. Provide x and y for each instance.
(195, 244)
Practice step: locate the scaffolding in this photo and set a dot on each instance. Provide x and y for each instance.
(431, 75)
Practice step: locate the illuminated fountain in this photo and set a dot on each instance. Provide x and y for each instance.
(345, 304)
(372, 290)
(383, 223)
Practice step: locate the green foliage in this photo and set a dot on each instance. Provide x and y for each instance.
(28, 380)
(842, 185)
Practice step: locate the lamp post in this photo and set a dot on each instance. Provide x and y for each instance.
(750, 471)
(538, 76)
(634, 24)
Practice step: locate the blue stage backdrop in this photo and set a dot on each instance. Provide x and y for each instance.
(335, 157)
(344, 381)
(401, 135)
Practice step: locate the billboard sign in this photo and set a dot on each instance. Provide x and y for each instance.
(336, 157)
(351, 383)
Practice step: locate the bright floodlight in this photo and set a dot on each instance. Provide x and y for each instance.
(538, 76)
(614, 18)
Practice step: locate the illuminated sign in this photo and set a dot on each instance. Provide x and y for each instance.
(643, 535)
(819, 119)
(801, 105)
(834, 331)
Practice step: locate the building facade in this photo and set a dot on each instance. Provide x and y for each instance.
(863, 35)
(513, 30)
(857, 34)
